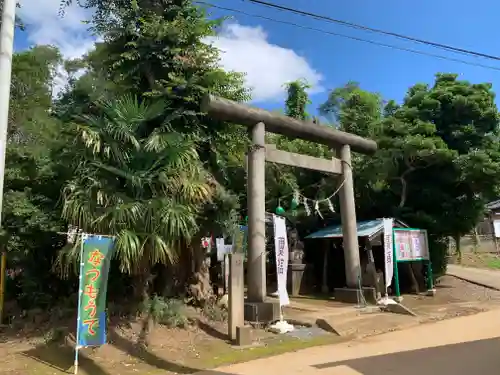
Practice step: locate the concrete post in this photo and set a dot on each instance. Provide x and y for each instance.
(256, 191)
(236, 294)
(348, 216)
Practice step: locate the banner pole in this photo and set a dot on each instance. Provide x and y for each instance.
(3, 269)
(80, 291)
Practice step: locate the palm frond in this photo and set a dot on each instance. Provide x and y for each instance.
(126, 215)
(128, 249)
(176, 220)
(161, 251)
(68, 260)
(146, 187)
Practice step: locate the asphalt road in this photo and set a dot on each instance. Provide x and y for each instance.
(480, 357)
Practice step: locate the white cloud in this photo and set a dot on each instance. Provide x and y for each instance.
(68, 32)
(267, 66)
(46, 26)
(244, 49)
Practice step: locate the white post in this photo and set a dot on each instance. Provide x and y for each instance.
(6, 50)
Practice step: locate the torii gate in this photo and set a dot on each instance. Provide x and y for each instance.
(259, 121)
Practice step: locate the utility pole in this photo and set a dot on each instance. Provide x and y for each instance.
(6, 51)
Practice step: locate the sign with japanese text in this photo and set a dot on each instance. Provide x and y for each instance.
(281, 251)
(95, 259)
(388, 252)
(411, 244)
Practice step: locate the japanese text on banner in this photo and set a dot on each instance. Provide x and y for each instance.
(96, 255)
(388, 252)
(281, 251)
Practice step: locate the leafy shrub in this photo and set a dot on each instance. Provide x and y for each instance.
(167, 311)
(215, 312)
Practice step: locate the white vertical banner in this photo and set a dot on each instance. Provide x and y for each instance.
(496, 228)
(221, 250)
(388, 252)
(228, 249)
(281, 251)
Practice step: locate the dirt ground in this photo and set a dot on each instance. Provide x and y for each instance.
(171, 351)
(203, 345)
(454, 297)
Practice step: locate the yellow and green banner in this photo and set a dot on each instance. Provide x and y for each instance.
(96, 253)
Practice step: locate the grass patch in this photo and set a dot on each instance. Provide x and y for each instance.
(236, 355)
(57, 360)
(494, 263)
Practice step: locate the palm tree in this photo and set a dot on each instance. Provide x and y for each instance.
(138, 180)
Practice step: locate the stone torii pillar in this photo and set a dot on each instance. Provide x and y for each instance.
(259, 122)
(256, 195)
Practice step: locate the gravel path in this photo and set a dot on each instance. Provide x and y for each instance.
(461, 290)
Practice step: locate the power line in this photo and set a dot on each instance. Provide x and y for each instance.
(371, 29)
(429, 54)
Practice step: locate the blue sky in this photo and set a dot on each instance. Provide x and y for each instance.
(272, 54)
(465, 24)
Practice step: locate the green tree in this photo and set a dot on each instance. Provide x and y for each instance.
(438, 158)
(297, 99)
(145, 186)
(33, 179)
(466, 119)
(156, 50)
(360, 112)
(33, 79)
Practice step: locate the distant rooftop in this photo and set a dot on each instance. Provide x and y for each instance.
(493, 205)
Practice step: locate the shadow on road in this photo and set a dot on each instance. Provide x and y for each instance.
(475, 357)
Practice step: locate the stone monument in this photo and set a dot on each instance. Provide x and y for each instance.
(296, 264)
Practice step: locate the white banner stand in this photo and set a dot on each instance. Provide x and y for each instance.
(281, 254)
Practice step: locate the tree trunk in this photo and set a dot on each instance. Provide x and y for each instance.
(402, 202)
(476, 239)
(141, 285)
(142, 288)
(458, 249)
(169, 281)
(199, 287)
(146, 316)
(404, 190)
